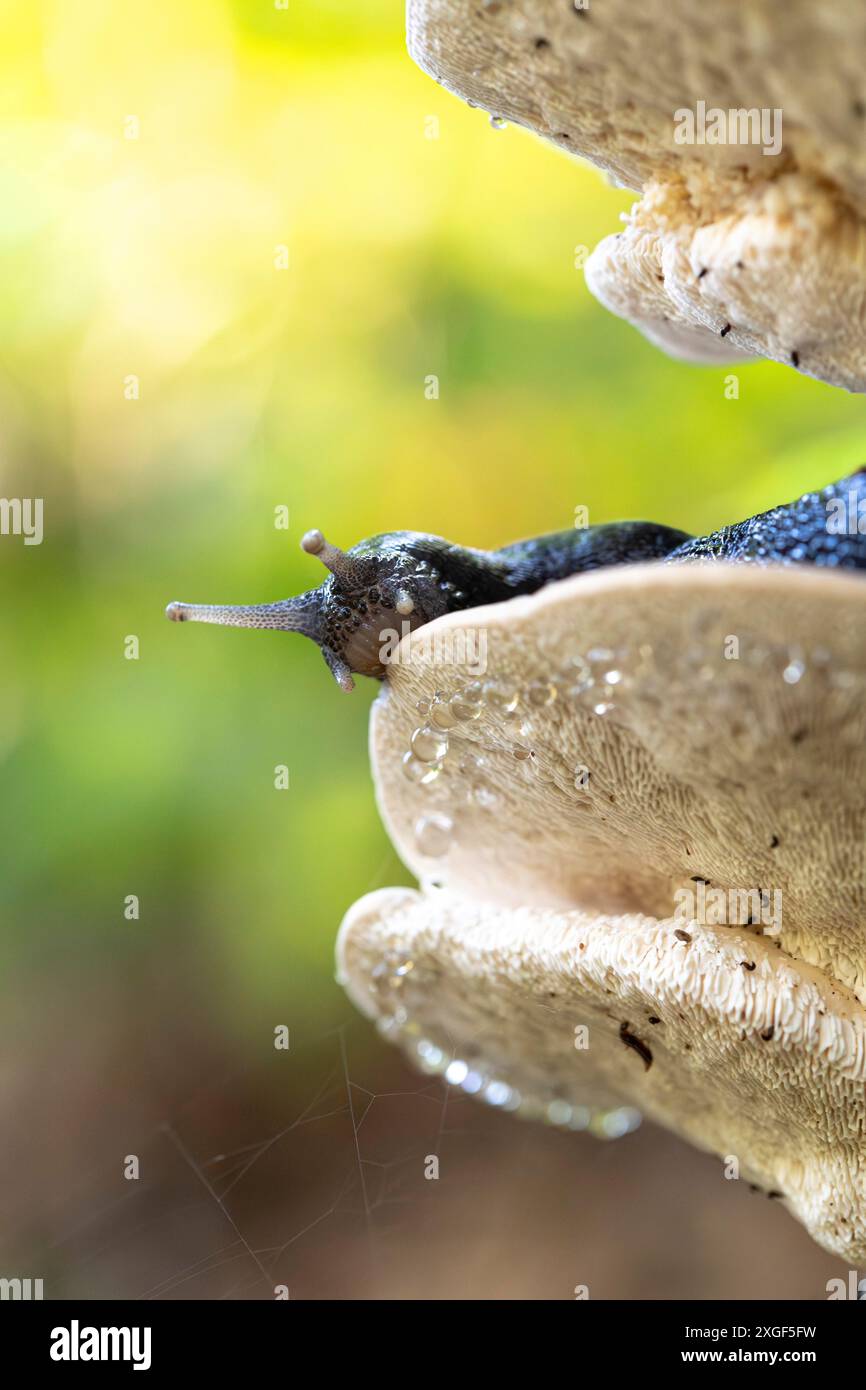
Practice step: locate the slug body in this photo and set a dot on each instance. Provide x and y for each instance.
(393, 583)
(820, 528)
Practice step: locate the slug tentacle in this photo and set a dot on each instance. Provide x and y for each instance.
(299, 614)
(385, 587)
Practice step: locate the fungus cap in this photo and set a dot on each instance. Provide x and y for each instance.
(767, 249)
(644, 818)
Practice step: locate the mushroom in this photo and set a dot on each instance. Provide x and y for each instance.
(639, 835)
(742, 128)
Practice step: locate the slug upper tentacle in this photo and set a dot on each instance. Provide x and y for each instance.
(391, 584)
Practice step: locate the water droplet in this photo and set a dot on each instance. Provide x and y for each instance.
(429, 744)
(612, 677)
(577, 678)
(431, 1057)
(603, 707)
(472, 1083)
(423, 707)
(433, 835)
(442, 714)
(793, 672)
(419, 772)
(501, 696)
(497, 1093)
(541, 693)
(613, 1124)
(483, 796)
(467, 703)
(498, 122)
(559, 1112)
(456, 1073)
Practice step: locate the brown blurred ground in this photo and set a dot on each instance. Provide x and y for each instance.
(132, 1065)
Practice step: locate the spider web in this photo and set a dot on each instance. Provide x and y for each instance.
(219, 1199)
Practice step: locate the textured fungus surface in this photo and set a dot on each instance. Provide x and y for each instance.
(641, 746)
(731, 252)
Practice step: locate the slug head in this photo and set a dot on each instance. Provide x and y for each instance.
(375, 593)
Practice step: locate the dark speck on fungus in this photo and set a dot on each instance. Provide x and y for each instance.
(636, 1045)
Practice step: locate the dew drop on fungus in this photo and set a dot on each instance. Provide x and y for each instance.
(577, 678)
(433, 835)
(521, 752)
(501, 696)
(559, 1112)
(443, 714)
(793, 672)
(419, 772)
(466, 703)
(429, 745)
(541, 693)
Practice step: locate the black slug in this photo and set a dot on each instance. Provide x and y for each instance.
(820, 528)
(402, 580)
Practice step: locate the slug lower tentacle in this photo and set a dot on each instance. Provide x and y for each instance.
(386, 586)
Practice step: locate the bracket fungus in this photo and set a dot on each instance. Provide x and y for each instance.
(627, 768)
(742, 128)
(639, 835)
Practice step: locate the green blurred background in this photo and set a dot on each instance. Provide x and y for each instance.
(153, 162)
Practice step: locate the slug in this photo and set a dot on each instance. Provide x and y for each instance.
(404, 579)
